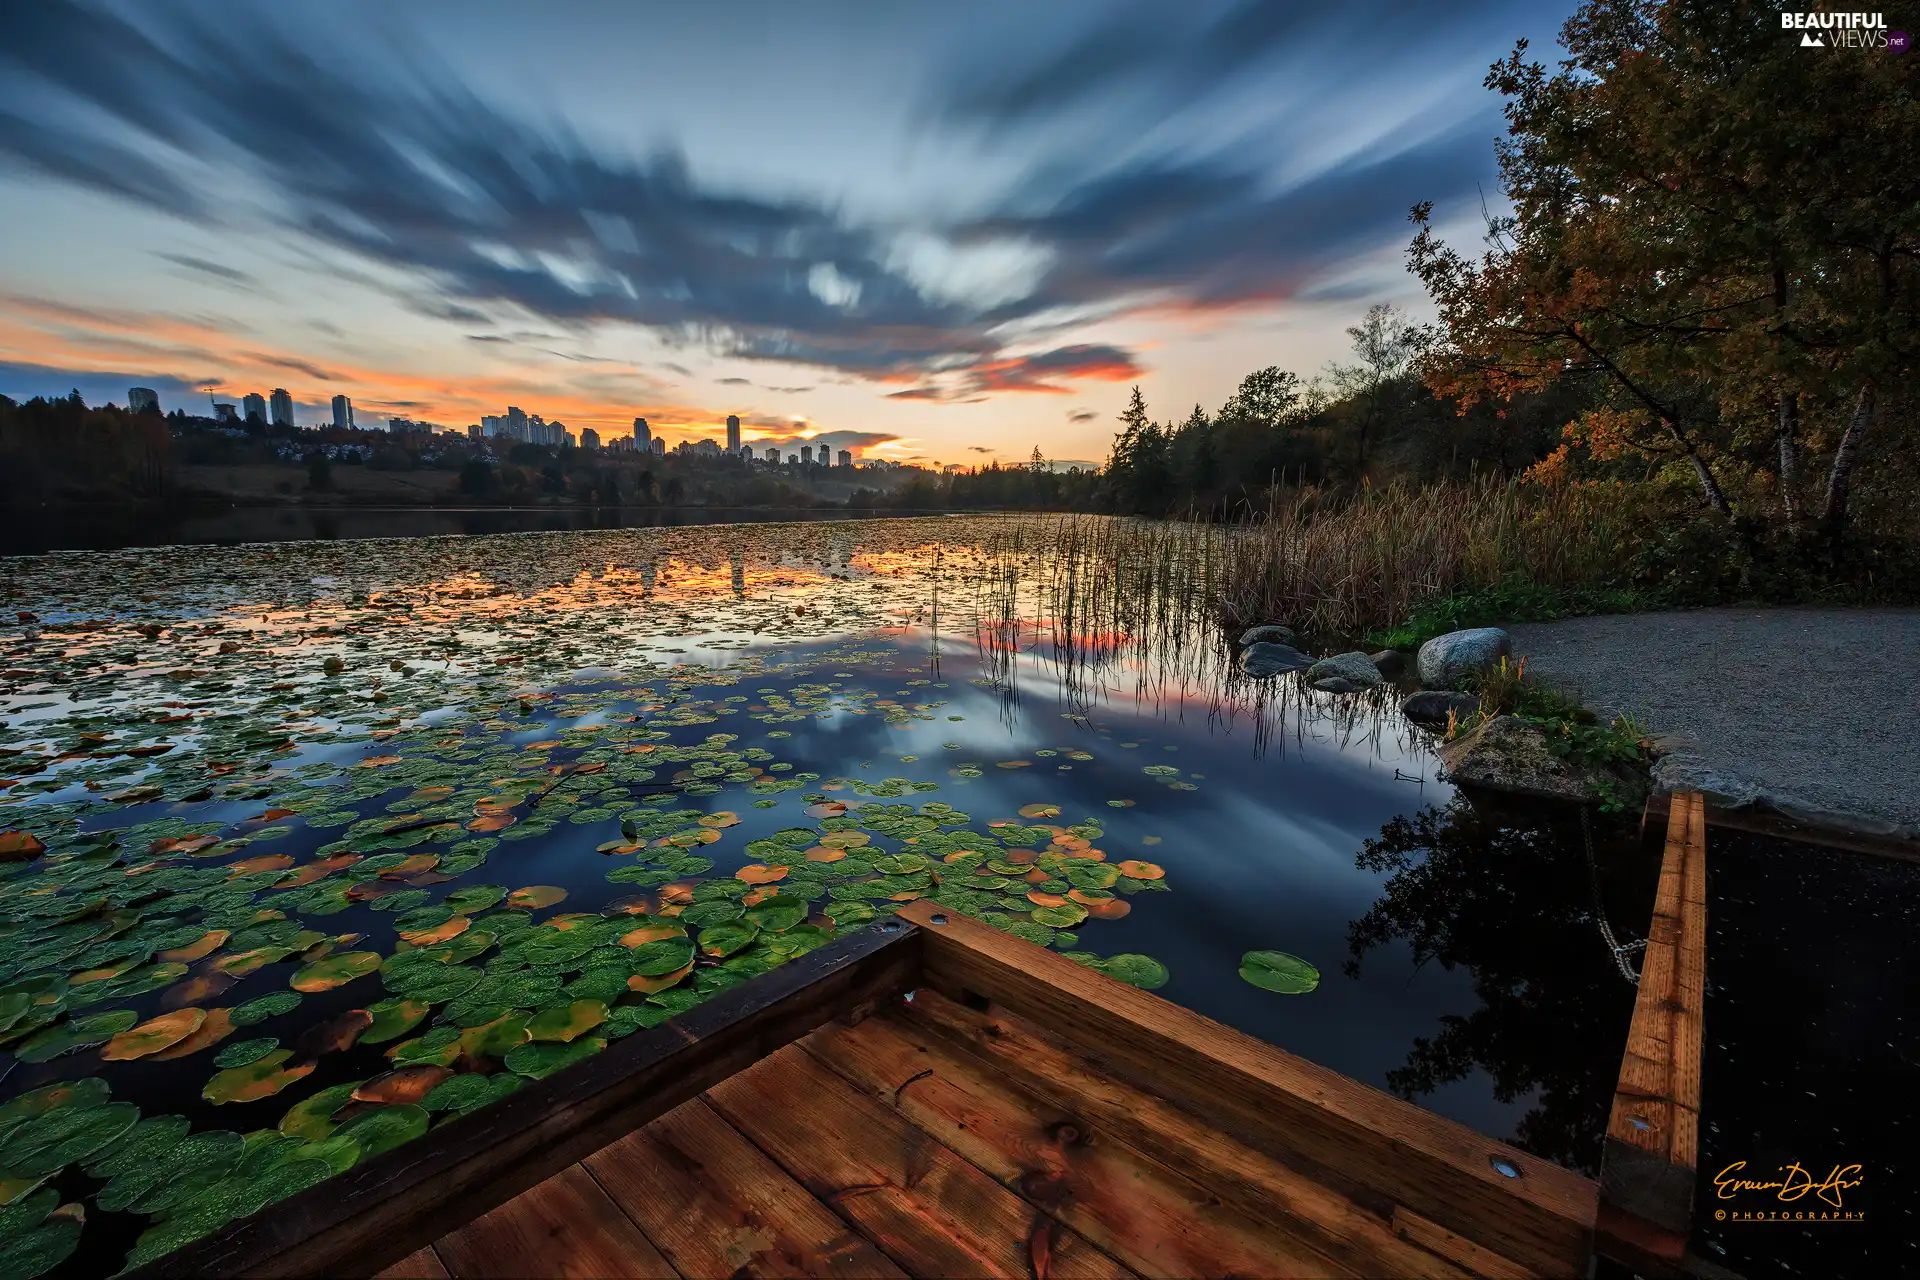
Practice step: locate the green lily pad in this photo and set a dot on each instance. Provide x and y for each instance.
(778, 914)
(654, 959)
(1064, 916)
(1279, 971)
(725, 939)
(465, 1093)
(475, 897)
(90, 1091)
(268, 1006)
(385, 1128)
(311, 1119)
(339, 1152)
(146, 1143)
(1135, 970)
(39, 1250)
(75, 1033)
(50, 1142)
(537, 1061)
(242, 1052)
(849, 913)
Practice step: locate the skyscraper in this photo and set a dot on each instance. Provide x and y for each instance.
(143, 400)
(733, 433)
(473, 431)
(773, 455)
(642, 435)
(342, 412)
(282, 406)
(254, 405)
(659, 447)
(225, 412)
(517, 422)
(589, 438)
(806, 455)
(846, 457)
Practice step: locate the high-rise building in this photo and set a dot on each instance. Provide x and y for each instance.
(589, 438)
(281, 407)
(733, 433)
(517, 423)
(659, 447)
(224, 411)
(143, 400)
(254, 405)
(342, 412)
(473, 431)
(846, 457)
(642, 435)
(806, 455)
(773, 455)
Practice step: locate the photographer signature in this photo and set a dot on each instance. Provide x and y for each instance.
(1796, 1183)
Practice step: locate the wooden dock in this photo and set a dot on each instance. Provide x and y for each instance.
(928, 1096)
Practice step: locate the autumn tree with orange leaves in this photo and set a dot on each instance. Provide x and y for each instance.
(1716, 227)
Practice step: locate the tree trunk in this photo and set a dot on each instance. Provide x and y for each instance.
(1716, 497)
(1789, 437)
(1845, 459)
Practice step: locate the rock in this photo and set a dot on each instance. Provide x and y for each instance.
(1337, 684)
(1355, 668)
(1682, 771)
(1508, 754)
(1272, 633)
(1448, 661)
(1431, 706)
(1262, 659)
(1390, 663)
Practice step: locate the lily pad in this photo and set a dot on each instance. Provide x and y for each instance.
(566, 1022)
(534, 897)
(335, 971)
(75, 1033)
(537, 1061)
(726, 939)
(401, 1085)
(653, 959)
(267, 1006)
(393, 1019)
(384, 1128)
(153, 1035)
(49, 1142)
(259, 1079)
(243, 1052)
(311, 1119)
(1279, 971)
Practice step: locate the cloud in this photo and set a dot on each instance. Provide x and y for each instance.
(23, 381)
(978, 448)
(458, 208)
(219, 271)
(736, 382)
(1082, 415)
(292, 362)
(487, 337)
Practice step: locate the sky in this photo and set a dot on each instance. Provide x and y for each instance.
(951, 233)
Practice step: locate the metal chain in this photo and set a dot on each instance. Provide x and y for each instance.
(1614, 947)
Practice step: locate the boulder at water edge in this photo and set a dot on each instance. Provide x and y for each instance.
(1337, 684)
(1356, 669)
(1431, 706)
(1261, 660)
(1449, 661)
(1389, 662)
(1508, 754)
(1271, 633)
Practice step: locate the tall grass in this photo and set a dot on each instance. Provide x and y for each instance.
(1365, 565)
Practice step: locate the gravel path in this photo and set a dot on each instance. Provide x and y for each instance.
(1813, 712)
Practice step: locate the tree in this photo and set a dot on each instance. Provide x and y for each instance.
(1384, 344)
(477, 478)
(1737, 267)
(319, 472)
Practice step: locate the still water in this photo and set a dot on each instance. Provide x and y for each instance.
(345, 839)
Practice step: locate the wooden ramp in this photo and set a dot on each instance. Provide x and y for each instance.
(1022, 1116)
(1648, 1169)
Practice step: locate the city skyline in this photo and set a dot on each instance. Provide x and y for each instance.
(990, 226)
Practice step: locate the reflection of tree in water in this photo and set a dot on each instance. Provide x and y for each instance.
(1514, 905)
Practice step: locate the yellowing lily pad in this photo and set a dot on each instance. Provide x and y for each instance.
(566, 1022)
(335, 971)
(1134, 869)
(534, 897)
(256, 1080)
(153, 1035)
(209, 943)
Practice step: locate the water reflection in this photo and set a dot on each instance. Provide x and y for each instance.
(1514, 902)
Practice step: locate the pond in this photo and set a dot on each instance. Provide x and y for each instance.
(314, 845)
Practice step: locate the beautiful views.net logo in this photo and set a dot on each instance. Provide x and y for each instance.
(1844, 31)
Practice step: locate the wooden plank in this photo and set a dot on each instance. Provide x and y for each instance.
(387, 1207)
(421, 1264)
(1111, 1113)
(1651, 1147)
(562, 1228)
(1152, 1219)
(1436, 1238)
(715, 1205)
(1273, 1101)
(920, 1204)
